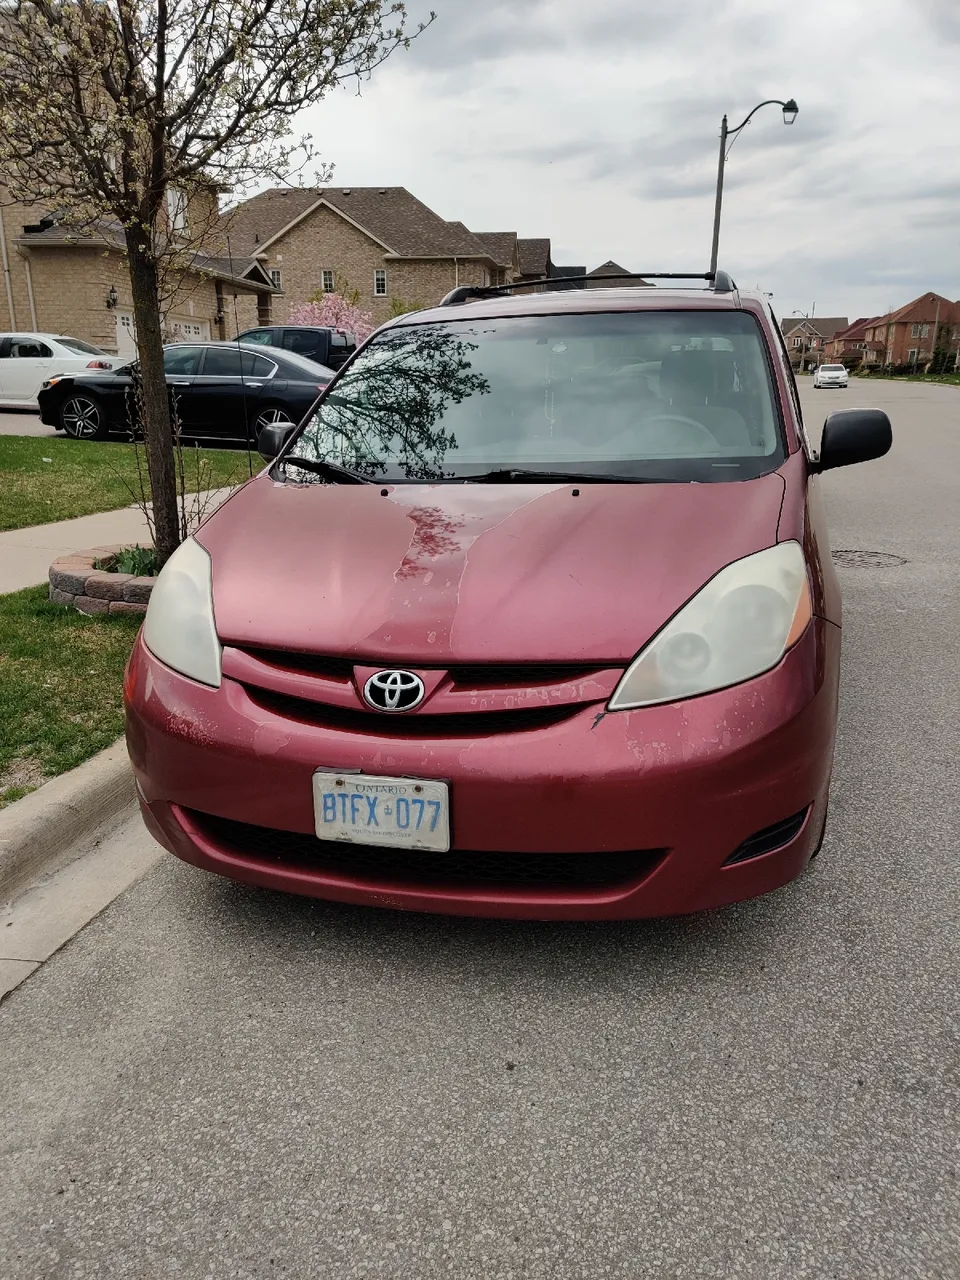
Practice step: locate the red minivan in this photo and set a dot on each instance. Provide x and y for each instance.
(533, 615)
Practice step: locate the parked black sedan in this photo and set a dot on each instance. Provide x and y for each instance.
(221, 389)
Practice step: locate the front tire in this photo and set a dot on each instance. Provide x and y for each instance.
(82, 417)
(274, 415)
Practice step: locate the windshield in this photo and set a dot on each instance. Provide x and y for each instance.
(832, 368)
(672, 395)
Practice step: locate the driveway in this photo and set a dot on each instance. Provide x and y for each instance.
(23, 422)
(215, 1081)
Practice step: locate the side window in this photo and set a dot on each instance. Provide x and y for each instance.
(338, 341)
(791, 382)
(259, 337)
(222, 362)
(29, 349)
(303, 342)
(181, 360)
(256, 366)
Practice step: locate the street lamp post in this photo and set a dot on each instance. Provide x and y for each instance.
(790, 110)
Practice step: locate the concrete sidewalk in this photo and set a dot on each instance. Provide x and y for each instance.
(26, 554)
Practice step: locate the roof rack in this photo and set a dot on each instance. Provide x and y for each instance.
(718, 282)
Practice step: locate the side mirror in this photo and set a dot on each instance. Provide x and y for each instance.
(853, 435)
(272, 438)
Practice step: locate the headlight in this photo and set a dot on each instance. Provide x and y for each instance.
(736, 627)
(179, 628)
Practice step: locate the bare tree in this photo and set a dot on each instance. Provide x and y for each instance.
(127, 111)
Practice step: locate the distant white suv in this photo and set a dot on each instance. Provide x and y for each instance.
(830, 375)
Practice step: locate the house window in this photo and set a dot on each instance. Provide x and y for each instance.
(915, 331)
(797, 342)
(176, 209)
(912, 353)
(924, 330)
(380, 284)
(276, 277)
(326, 282)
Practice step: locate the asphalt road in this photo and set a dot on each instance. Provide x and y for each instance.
(210, 1081)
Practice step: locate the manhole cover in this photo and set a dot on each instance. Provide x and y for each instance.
(868, 559)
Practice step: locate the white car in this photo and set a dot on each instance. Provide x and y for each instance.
(28, 359)
(830, 375)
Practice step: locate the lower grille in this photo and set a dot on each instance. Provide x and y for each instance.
(424, 868)
(769, 838)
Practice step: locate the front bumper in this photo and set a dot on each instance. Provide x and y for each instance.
(684, 785)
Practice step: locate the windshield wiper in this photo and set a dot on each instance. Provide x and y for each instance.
(329, 470)
(517, 474)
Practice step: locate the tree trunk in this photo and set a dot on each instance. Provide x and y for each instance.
(155, 409)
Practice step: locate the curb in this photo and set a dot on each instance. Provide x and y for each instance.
(40, 833)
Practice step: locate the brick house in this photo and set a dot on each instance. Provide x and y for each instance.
(807, 337)
(59, 280)
(380, 244)
(851, 346)
(911, 334)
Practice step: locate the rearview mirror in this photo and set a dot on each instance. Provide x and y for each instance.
(272, 438)
(853, 435)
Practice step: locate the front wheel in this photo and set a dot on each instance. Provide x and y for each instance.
(83, 418)
(274, 416)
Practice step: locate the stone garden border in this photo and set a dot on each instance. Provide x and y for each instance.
(75, 581)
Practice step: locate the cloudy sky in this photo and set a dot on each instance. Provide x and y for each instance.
(596, 123)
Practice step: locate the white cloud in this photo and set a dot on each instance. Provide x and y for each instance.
(597, 125)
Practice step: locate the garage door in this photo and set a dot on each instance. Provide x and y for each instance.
(126, 336)
(184, 329)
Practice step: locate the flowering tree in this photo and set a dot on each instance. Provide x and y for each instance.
(333, 311)
(125, 112)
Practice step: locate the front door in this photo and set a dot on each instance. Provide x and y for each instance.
(180, 365)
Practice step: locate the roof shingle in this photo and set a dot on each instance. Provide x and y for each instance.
(534, 257)
(391, 215)
(501, 245)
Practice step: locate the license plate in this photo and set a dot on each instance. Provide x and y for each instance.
(362, 808)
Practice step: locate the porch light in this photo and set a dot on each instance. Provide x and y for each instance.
(112, 298)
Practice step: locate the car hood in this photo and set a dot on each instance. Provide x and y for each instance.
(433, 574)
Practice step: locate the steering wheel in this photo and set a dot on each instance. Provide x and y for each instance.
(697, 433)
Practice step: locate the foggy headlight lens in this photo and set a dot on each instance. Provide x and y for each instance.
(738, 626)
(179, 627)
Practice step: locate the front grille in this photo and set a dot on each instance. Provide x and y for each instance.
(469, 724)
(472, 676)
(768, 839)
(315, 664)
(425, 868)
(532, 675)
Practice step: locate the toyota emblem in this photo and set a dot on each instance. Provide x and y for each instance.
(394, 691)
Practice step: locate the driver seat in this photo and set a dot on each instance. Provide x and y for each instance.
(694, 385)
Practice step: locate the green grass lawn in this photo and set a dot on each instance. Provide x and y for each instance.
(61, 677)
(80, 477)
